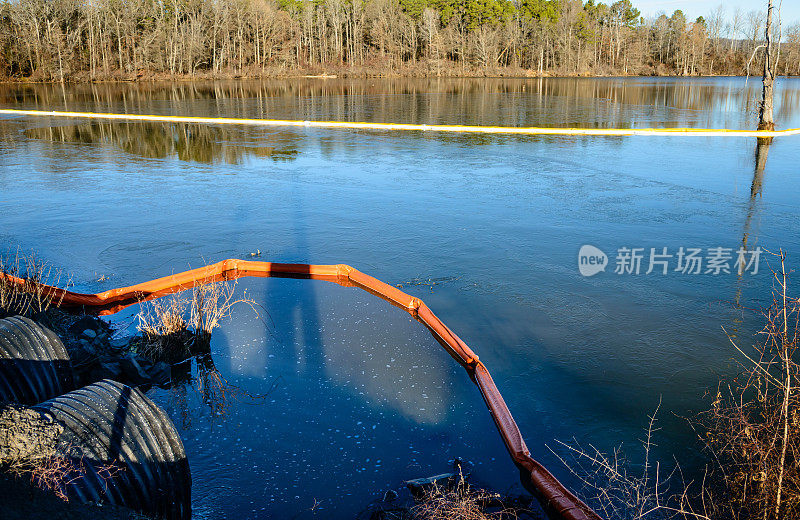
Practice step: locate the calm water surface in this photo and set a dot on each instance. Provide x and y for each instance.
(328, 396)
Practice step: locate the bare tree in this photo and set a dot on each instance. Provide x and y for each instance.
(125, 39)
(765, 119)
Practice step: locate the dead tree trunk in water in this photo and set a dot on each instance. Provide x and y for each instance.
(765, 119)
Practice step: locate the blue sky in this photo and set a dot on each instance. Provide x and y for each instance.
(694, 8)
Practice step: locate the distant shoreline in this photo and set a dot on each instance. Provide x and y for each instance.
(340, 74)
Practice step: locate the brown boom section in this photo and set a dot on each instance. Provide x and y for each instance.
(557, 500)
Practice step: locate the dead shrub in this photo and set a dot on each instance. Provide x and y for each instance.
(753, 427)
(51, 474)
(751, 431)
(56, 472)
(620, 490)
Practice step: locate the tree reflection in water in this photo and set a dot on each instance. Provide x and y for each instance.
(211, 388)
(188, 142)
(749, 230)
(586, 102)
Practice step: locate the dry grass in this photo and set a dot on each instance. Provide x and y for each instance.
(30, 298)
(165, 329)
(174, 327)
(211, 303)
(457, 500)
(461, 502)
(163, 317)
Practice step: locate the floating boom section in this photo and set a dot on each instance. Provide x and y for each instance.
(556, 499)
(406, 127)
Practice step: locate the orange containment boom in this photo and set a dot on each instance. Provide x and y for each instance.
(557, 500)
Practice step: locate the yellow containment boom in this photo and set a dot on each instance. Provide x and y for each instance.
(511, 130)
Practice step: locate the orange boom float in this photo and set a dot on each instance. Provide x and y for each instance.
(557, 500)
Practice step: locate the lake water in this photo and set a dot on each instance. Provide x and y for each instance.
(331, 396)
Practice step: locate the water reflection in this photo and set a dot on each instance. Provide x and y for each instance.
(760, 163)
(188, 142)
(749, 236)
(201, 375)
(590, 102)
(367, 353)
(332, 414)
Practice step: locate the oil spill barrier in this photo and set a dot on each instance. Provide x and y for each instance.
(34, 365)
(556, 499)
(129, 451)
(470, 129)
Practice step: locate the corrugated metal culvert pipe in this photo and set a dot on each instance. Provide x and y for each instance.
(34, 365)
(129, 449)
(126, 450)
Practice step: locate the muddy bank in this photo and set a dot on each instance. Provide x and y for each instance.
(28, 436)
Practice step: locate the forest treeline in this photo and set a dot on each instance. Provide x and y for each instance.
(126, 39)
